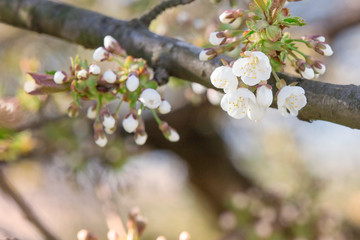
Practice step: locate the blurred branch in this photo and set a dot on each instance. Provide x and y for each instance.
(335, 103)
(8, 189)
(147, 18)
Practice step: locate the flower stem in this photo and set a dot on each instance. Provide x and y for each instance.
(118, 107)
(158, 120)
(98, 107)
(118, 62)
(296, 50)
(275, 75)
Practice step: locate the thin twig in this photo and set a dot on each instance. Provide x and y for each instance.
(9, 189)
(147, 18)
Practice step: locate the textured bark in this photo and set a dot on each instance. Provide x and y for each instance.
(335, 103)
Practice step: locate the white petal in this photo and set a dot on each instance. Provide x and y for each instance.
(308, 73)
(101, 141)
(174, 136)
(130, 123)
(140, 139)
(327, 51)
(235, 24)
(109, 76)
(59, 77)
(150, 98)
(164, 107)
(321, 70)
(132, 83)
(198, 88)
(223, 18)
(256, 112)
(109, 122)
(109, 42)
(264, 96)
(223, 77)
(100, 54)
(214, 39)
(94, 69)
(91, 113)
(213, 96)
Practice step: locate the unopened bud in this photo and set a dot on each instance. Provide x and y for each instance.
(101, 54)
(164, 107)
(73, 110)
(91, 112)
(112, 45)
(305, 69)
(109, 76)
(324, 49)
(207, 54)
(94, 69)
(132, 83)
(150, 98)
(108, 120)
(82, 74)
(60, 77)
(318, 38)
(130, 123)
(217, 38)
(168, 132)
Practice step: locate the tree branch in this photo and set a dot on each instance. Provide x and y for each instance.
(147, 18)
(335, 103)
(7, 188)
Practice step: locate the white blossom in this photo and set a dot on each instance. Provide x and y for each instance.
(236, 24)
(213, 96)
(110, 42)
(215, 39)
(132, 83)
(327, 50)
(253, 68)
(130, 123)
(150, 98)
(198, 88)
(173, 136)
(264, 96)
(321, 70)
(110, 130)
(206, 54)
(237, 102)
(140, 139)
(164, 107)
(291, 98)
(308, 72)
(94, 69)
(100, 54)
(82, 74)
(108, 121)
(59, 77)
(225, 17)
(101, 141)
(91, 112)
(256, 112)
(320, 38)
(109, 76)
(223, 77)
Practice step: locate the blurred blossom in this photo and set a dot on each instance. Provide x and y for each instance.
(227, 220)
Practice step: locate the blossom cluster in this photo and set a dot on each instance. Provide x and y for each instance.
(264, 50)
(131, 82)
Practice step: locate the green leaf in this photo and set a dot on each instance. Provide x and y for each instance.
(151, 84)
(50, 72)
(257, 25)
(261, 4)
(276, 65)
(293, 21)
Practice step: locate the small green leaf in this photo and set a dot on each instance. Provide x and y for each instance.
(276, 65)
(151, 84)
(50, 72)
(293, 21)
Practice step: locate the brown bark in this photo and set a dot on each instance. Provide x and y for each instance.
(335, 103)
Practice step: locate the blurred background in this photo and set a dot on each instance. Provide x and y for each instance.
(277, 179)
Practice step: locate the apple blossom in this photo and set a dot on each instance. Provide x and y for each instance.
(237, 102)
(150, 98)
(223, 77)
(253, 68)
(291, 98)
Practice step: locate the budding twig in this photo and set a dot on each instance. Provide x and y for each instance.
(158, 9)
